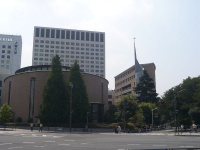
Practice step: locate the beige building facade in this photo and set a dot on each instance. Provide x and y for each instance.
(23, 91)
(125, 81)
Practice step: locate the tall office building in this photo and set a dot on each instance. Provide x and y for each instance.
(86, 47)
(10, 52)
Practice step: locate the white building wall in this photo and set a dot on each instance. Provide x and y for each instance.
(89, 53)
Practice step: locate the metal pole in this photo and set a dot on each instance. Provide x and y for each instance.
(87, 120)
(152, 118)
(70, 108)
(124, 116)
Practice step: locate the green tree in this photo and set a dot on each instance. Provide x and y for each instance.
(54, 106)
(80, 103)
(147, 112)
(110, 114)
(183, 100)
(145, 89)
(128, 105)
(5, 113)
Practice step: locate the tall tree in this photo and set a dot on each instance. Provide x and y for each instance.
(54, 105)
(80, 103)
(5, 113)
(145, 89)
(183, 100)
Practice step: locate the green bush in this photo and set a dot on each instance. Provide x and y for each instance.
(19, 119)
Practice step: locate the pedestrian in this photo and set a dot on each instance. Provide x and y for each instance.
(41, 126)
(116, 129)
(31, 125)
(119, 129)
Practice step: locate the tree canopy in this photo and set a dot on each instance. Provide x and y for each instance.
(184, 99)
(5, 113)
(55, 96)
(80, 103)
(145, 89)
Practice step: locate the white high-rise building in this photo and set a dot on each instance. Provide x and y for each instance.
(87, 47)
(10, 52)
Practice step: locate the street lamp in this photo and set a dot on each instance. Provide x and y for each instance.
(152, 115)
(70, 107)
(87, 120)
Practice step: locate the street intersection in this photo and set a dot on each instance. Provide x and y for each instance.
(27, 140)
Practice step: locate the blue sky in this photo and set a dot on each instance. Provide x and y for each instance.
(167, 31)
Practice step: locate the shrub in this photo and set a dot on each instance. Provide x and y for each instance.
(19, 119)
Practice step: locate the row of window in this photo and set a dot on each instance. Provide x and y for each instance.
(67, 60)
(68, 43)
(8, 46)
(4, 56)
(124, 74)
(4, 51)
(68, 48)
(5, 61)
(68, 34)
(5, 66)
(61, 47)
(86, 70)
(125, 80)
(71, 52)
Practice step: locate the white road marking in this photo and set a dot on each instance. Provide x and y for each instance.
(50, 141)
(28, 142)
(39, 146)
(5, 143)
(58, 136)
(120, 149)
(187, 146)
(15, 147)
(133, 144)
(160, 145)
(69, 140)
(44, 135)
(64, 144)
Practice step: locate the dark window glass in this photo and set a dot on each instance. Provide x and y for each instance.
(47, 33)
(92, 36)
(37, 32)
(87, 36)
(68, 35)
(63, 34)
(82, 36)
(101, 38)
(42, 32)
(57, 34)
(77, 35)
(97, 37)
(3, 46)
(72, 35)
(52, 33)
(0, 83)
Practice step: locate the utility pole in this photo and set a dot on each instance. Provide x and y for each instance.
(70, 107)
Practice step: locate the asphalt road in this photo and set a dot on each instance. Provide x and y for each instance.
(27, 140)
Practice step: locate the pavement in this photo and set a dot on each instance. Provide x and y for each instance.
(32, 140)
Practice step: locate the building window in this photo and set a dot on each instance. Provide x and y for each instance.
(8, 56)
(77, 35)
(101, 38)
(68, 35)
(9, 47)
(37, 32)
(42, 32)
(9, 92)
(87, 36)
(0, 83)
(3, 51)
(57, 34)
(97, 37)
(52, 33)
(92, 36)
(72, 35)
(82, 36)
(47, 33)
(62, 34)
(2, 56)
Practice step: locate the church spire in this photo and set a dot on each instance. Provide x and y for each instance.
(138, 68)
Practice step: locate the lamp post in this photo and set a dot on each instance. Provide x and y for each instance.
(152, 115)
(87, 120)
(70, 107)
